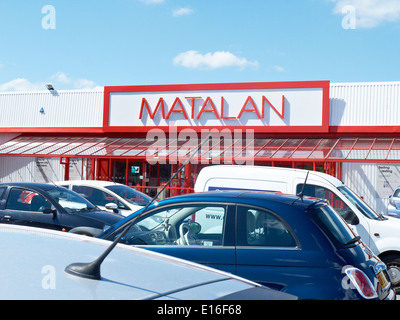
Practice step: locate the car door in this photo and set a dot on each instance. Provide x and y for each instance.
(202, 233)
(267, 250)
(25, 207)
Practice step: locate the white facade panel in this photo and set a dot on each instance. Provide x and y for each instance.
(40, 169)
(365, 104)
(374, 182)
(29, 169)
(45, 109)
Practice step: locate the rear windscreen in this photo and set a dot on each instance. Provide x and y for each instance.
(332, 225)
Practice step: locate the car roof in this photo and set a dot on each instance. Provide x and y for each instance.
(259, 172)
(32, 185)
(128, 272)
(240, 196)
(90, 182)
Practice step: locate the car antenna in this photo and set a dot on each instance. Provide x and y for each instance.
(91, 270)
(301, 193)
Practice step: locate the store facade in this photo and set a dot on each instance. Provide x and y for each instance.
(140, 135)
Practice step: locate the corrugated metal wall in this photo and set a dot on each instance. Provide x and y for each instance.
(362, 179)
(27, 169)
(62, 109)
(365, 104)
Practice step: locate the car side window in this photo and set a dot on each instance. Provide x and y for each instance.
(258, 227)
(26, 200)
(2, 190)
(187, 225)
(323, 193)
(96, 196)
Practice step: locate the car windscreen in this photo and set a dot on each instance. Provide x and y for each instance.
(332, 225)
(131, 195)
(396, 193)
(70, 201)
(361, 205)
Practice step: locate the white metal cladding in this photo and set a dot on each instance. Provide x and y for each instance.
(30, 169)
(73, 108)
(363, 179)
(365, 104)
(351, 104)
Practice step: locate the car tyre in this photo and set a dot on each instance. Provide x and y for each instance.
(393, 267)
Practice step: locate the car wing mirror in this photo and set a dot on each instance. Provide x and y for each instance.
(50, 211)
(112, 206)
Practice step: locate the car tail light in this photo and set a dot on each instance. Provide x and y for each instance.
(361, 283)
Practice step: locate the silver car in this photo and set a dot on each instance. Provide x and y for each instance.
(33, 266)
(393, 207)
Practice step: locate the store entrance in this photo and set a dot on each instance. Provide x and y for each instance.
(127, 172)
(140, 174)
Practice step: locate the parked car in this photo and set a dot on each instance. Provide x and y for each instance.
(380, 233)
(297, 245)
(51, 207)
(131, 273)
(108, 195)
(393, 207)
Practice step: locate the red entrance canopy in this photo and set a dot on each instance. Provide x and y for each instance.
(343, 149)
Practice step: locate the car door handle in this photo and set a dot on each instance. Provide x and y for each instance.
(6, 218)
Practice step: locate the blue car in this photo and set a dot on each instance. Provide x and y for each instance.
(296, 245)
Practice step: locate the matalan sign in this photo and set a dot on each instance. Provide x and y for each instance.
(288, 106)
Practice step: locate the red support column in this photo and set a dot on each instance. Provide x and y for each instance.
(188, 177)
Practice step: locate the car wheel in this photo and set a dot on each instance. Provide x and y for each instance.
(393, 267)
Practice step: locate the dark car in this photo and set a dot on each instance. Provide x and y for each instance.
(51, 207)
(297, 245)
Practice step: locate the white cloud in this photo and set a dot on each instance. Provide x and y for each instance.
(370, 13)
(279, 69)
(21, 84)
(182, 12)
(219, 59)
(84, 84)
(61, 77)
(60, 81)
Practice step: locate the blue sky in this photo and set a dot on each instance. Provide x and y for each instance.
(87, 44)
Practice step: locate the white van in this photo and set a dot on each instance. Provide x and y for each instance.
(381, 234)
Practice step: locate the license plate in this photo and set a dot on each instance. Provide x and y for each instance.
(382, 278)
